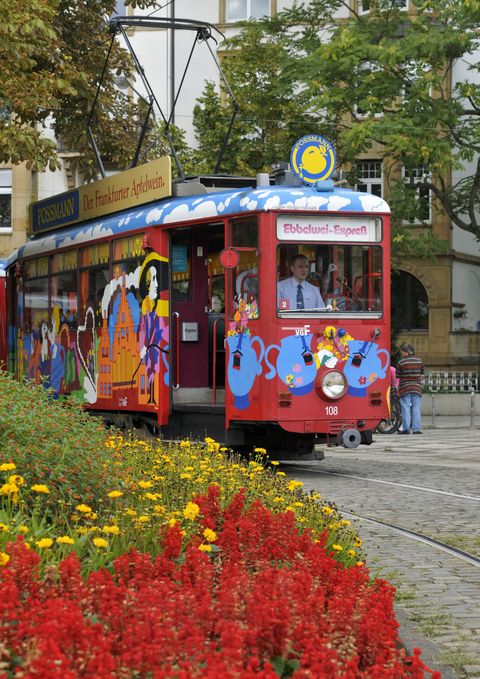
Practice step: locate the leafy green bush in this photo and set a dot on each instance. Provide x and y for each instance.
(52, 442)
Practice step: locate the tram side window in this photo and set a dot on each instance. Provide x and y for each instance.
(181, 266)
(128, 256)
(94, 279)
(63, 289)
(36, 293)
(36, 304)
(332, 277)
(244, 281)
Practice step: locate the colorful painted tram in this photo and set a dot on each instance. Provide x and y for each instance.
(176, 315)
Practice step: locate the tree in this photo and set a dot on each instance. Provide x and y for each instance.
(53, 55)
(269, 120)
(379, 78)
(384, 78)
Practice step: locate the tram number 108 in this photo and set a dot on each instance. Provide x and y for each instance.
(331, 410)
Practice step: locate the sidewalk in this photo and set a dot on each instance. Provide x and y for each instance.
(450, 422)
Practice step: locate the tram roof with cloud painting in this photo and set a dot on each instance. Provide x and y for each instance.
(323, 197)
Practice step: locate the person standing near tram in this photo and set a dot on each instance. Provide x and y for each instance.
(295, 292)
(410, 375)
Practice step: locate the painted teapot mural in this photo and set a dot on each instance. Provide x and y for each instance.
(295, 364)
(243, 366)
(364, 366)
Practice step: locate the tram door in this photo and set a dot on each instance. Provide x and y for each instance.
(198, 298)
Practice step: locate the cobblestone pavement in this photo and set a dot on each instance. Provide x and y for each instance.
(438, 594)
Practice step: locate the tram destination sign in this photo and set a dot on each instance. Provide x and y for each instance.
(121, 191)
(329, 228)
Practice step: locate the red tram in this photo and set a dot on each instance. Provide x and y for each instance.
(172, 314)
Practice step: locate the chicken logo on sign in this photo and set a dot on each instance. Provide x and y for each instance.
(312, 159)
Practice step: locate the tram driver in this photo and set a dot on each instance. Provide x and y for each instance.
(295, 292)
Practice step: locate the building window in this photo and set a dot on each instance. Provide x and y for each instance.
(5, 201)
(238, 10)
(409, 303)
(414, 178)
(364, 6)
(369, 177)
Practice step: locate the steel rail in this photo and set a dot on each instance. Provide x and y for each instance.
(423, 489)
(432, 542)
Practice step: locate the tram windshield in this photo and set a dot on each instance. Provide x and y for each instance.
(329, 277)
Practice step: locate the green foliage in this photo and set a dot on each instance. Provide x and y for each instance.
(381, 78)
(270, 117)
(52, 442)
(53, 54)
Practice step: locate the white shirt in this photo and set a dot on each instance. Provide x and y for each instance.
(287, 295)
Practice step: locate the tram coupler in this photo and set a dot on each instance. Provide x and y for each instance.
(350, 438)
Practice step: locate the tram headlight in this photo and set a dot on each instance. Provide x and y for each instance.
(334, 384)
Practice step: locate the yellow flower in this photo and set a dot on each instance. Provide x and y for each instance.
(327, 510)
(152, 496)
(23, 529)
(281, 474)
(115, 493)
(262, 451)
(65, 540)
(345, 522)
(209, 535)
(358, 542)
(9, 489)
(205, 548)
(44, 543)
(351, 552)
(7, 467)
(3, 527)
(39, 488)
(85, 509)
(172, 522)
(360, 563)
(191, 511)
(337, 548)
(100, 542)
(274, 462)
(17, 479)
(292, 485)
(114, 530)
(185, 476)
(185, 444)
(145, 484)
(4, 558)
(143, 519)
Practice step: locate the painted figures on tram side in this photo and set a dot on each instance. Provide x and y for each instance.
(153, 331)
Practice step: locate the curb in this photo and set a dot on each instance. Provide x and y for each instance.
(412, 637)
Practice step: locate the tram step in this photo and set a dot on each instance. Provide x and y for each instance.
(199, 408)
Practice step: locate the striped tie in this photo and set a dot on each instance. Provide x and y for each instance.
(300, 302)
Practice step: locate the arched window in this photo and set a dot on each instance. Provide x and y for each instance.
(409, 302)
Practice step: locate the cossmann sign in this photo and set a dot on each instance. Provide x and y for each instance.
(121, 191)
(304, 228)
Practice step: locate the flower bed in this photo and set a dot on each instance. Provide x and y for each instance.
(234, 571)
(250, 596)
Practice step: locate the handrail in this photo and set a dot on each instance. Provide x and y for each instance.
(176, 385)
(214, 360)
